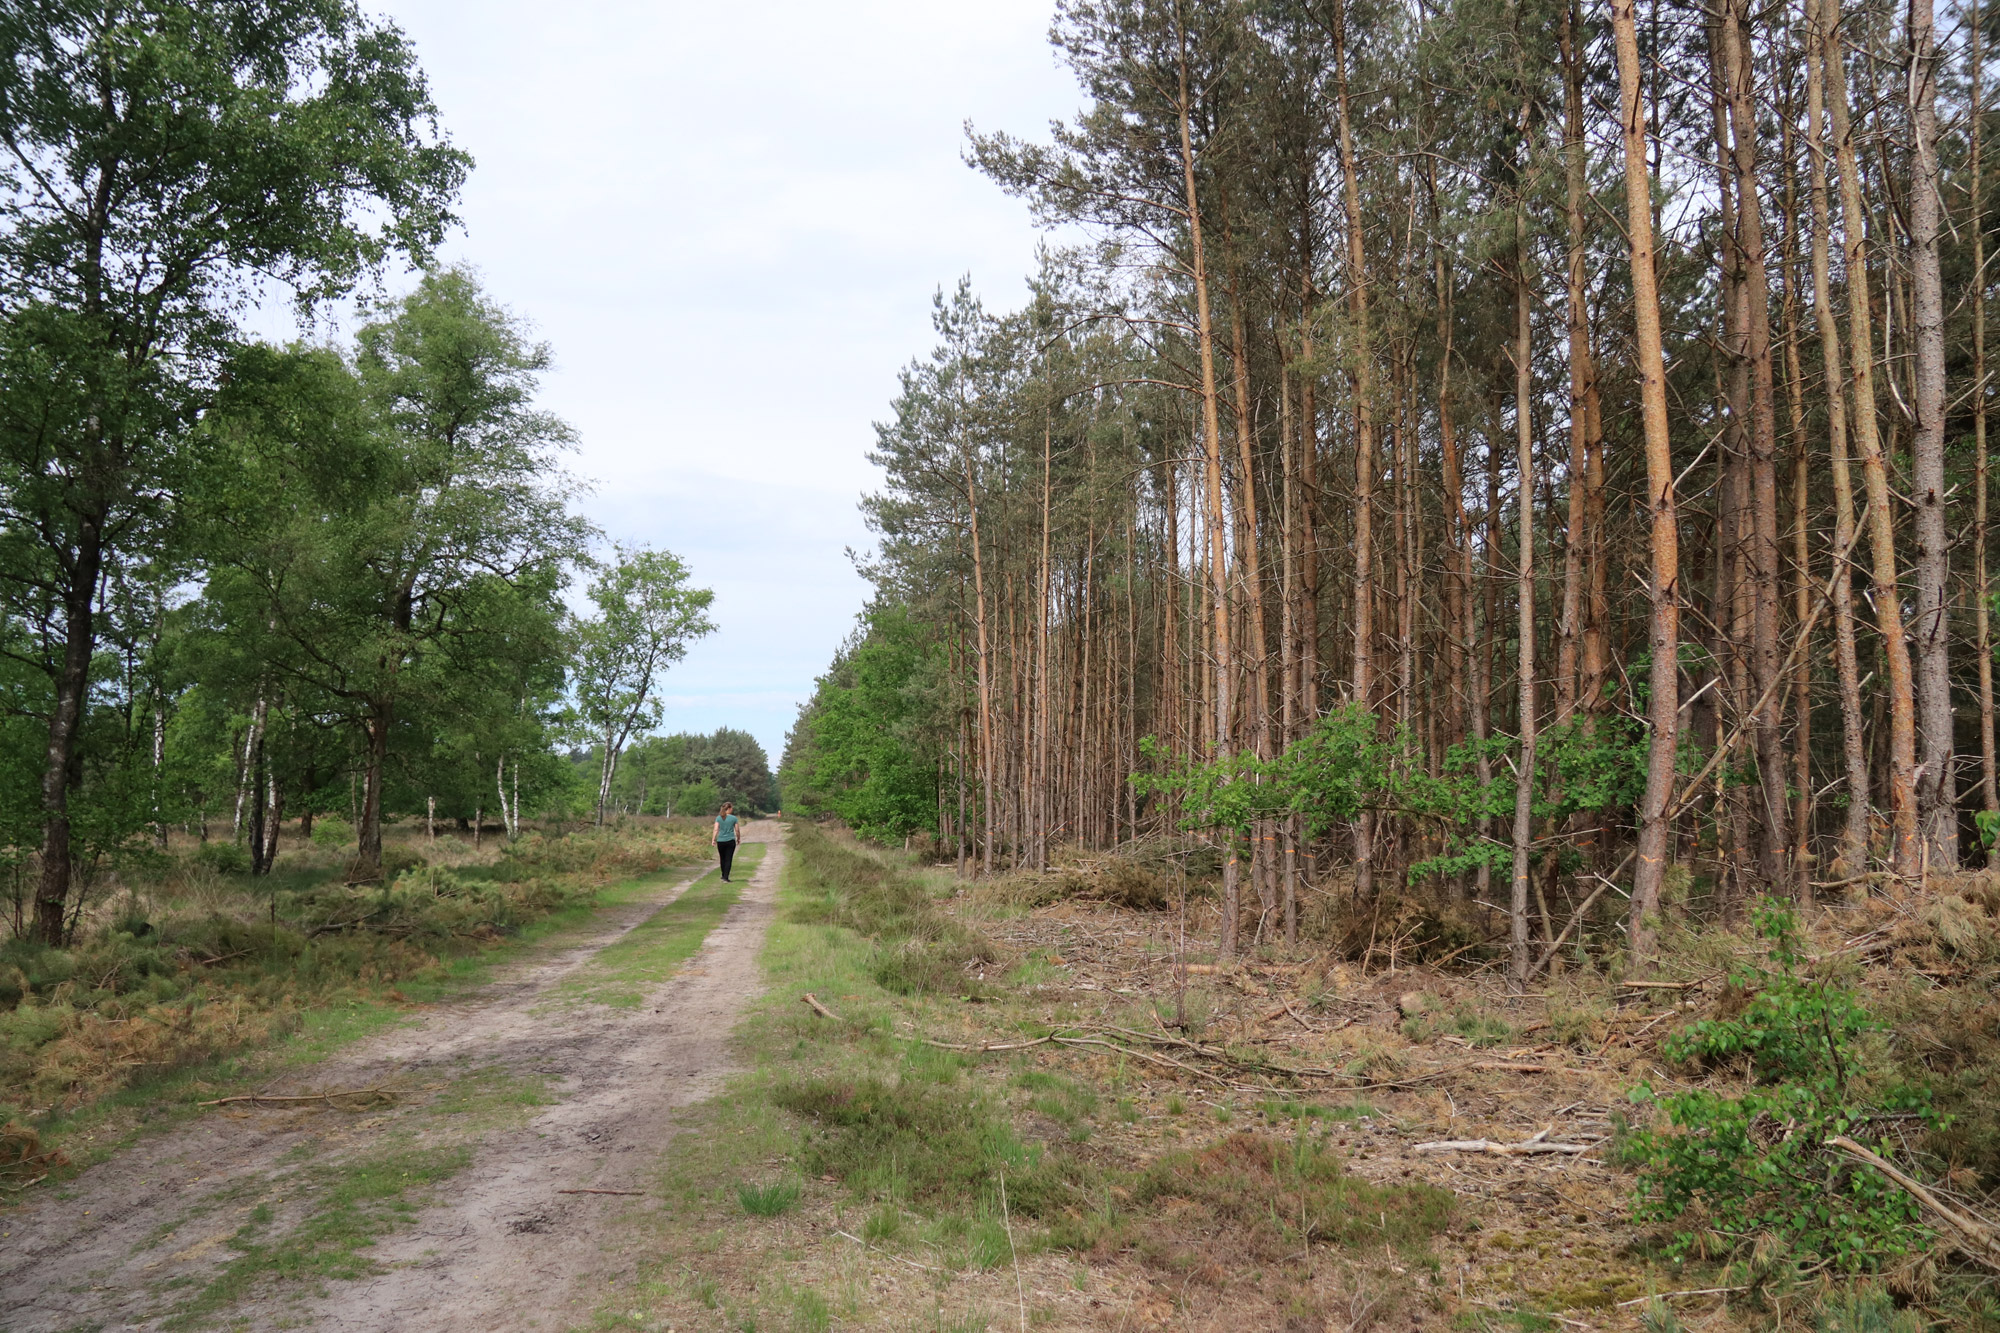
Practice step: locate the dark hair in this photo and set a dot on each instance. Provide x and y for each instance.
(727, 805)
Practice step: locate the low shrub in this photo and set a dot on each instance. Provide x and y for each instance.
(922, 949)
(1731, 1168)
(332, 831)
(1469, 1024)
(933, 967)
(1253, 1199)
(225, 858)
(924, 1142)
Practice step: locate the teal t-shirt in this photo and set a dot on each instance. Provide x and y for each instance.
(725, 828)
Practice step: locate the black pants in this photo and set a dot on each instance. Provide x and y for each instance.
(727, 851)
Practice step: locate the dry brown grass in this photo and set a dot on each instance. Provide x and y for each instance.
(187, 965)
(1550, 1237)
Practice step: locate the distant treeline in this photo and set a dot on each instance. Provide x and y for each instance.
(691, 774)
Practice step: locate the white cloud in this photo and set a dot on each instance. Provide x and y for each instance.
(729, 220)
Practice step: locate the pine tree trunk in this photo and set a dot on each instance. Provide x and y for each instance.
(1571, 675)
(1802, 582)
(1905, 856)
(1936, 781)
(1255, 648)
(1041, 779)
(1766, 663)
(1218, 550)
(1361, 374)
(1458, 533)
(1524, 565)
(1981, 589)
(989, 792)
(1853, 856)
(1309, 502)
(1664, 590)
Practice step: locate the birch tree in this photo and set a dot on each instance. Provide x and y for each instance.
(646, 616)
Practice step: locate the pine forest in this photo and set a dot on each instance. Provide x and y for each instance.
(1491, 452)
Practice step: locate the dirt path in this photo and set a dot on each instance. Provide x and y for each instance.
(497, 1247)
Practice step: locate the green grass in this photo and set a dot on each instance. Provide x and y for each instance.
(768, 1200)
(358, 1201)
(906, 1144)
(353, 1200)
(1482, 1030)
(622, 974)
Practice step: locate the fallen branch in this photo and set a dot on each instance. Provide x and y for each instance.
(24, 1184)
(989, 1046)
(1576, 919)
(1220, 1056)
(1669, 1295)
(637, 1194)
(1507, 1310)
(1147, 1056)
(1514, 1068)
(1979, 1240)
(1538, 1144)
(878, 1250)
(1851, 879)
(259, 1098)
(819, 1008)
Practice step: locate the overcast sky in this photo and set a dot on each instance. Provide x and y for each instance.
(729, 222)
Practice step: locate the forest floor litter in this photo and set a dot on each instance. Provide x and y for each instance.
(1167, 1126)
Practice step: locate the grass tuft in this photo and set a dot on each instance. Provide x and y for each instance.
(768, 1200)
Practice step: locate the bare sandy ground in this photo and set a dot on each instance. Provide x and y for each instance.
(500, 1248)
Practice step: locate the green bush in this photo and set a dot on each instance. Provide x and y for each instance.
(225, 858)
(332, 831)
(1735, 1167)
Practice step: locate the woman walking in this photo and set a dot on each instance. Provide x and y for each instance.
(725, 837)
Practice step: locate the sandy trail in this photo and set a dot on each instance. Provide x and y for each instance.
(499, 1249)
